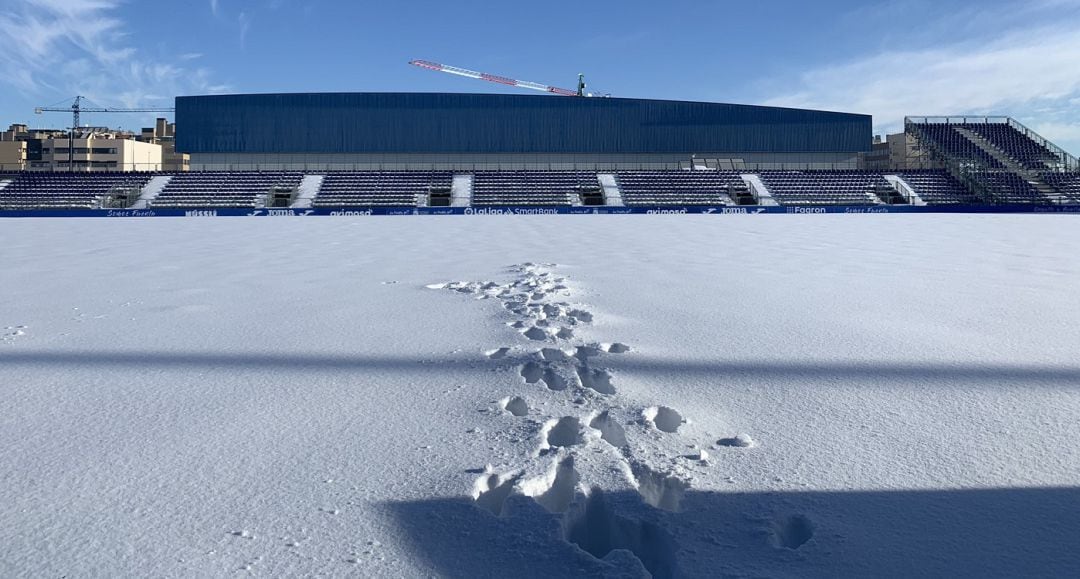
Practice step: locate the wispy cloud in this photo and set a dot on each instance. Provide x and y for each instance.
(1028, 73)
(68, 47)
(214, 7)
(245, 24)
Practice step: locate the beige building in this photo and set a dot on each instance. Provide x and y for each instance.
(899, 152)
(164, 133)
(23, 149)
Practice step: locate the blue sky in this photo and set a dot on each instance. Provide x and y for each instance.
(888, 58)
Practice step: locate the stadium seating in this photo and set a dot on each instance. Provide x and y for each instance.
(677, 187)
(824, 187)
(1066, 183)
(937, 187)
(37, 190)
(1021, 148)
(1011, 188)
(223, 189)
(379, 188)
(946, 139)
(531, 187)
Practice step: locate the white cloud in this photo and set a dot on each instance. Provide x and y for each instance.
(245, 24)
(1029, 74)
(214, 7)
(68, 47)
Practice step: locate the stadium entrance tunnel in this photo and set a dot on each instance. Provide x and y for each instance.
(282, 197)
(439, 197)
(591, 196)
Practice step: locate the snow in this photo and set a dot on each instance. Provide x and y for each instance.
(686, 396)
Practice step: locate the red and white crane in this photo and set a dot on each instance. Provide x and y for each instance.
(501, 79)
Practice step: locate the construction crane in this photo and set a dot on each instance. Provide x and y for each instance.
(77, 108)
(502, 79)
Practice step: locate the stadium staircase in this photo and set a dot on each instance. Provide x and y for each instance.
(610, 186)
(759, 190)
(905, 190)
(461, 190)
(306, 192)
(152, 189)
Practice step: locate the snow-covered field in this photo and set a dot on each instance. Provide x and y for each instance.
(691, 396)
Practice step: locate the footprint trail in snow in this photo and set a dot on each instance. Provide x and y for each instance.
(589, 436)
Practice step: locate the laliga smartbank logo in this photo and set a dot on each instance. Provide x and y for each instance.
(515, 211)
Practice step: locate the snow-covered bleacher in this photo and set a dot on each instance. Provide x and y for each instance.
(677, 187)
(937, 187)
(532, 187)
(825, 187)
(223, 189)
(38, 190)
(380, 188)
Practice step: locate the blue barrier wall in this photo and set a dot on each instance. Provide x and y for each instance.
(546, 210)
(488, 123)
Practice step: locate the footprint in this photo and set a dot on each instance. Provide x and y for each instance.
(554, 355)
(554, 381)
(616, 348)
(598, 380)
(491, 491)
(555, 491)
(740, 441)
(498, 354)
(580, 316)
(596, 527)
(565, 334)
(536, 334)
(583, 353)
(793, 532)
(563, 432)
(661, 490)
(515, 405)
(610, 430)
(532, 372)
(663, 418)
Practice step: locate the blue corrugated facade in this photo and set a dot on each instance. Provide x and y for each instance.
(425, 123)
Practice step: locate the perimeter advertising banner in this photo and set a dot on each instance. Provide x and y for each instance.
(512, 211)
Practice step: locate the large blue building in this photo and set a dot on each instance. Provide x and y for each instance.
(489, 131)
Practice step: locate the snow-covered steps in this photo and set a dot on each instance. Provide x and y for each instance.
(305, 194)
(151, 190)
(758, 189)
(904, 189)
(612, 195)
(461, 189)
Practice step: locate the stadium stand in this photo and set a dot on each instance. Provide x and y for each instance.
(1065, 183)
(937, 187)
(532, 187)
(947, 140)
(678, 187)
(1012, 188)
(221, 189)
(31, 190)
(825, 187)
(380, 188)
(1021, 148)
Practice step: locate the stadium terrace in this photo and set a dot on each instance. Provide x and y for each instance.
(417, 153)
